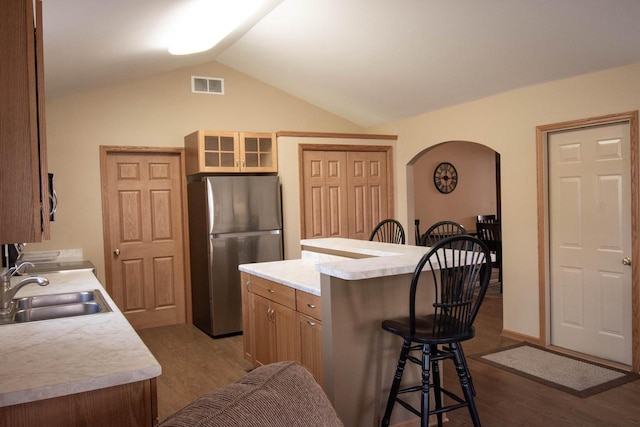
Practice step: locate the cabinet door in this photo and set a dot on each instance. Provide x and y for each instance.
(310, 335)
(287, 341)
(258, 152)
(264, 331)
(23, 170)
(275, 332)
(211, 152)
(247, 317)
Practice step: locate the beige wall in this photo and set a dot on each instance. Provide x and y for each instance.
(475, 193)
(507, 123)
(157, 111)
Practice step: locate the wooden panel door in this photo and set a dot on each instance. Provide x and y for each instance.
(144, 241)
(325, 194)
(367, 192)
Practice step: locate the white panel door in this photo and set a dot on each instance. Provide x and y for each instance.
(590, 235)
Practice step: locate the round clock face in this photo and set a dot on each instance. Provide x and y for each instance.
(445, 177)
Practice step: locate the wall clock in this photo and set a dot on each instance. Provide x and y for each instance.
(445, 177)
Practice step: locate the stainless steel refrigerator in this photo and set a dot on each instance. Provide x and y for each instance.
(233, 220)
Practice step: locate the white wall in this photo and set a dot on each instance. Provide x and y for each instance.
(507, 124)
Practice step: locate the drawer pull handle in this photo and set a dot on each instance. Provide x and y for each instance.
(311, 323)
(271, 291)
(311, 306)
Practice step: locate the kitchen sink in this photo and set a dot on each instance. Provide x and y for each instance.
(56, 306)
(55, 299)
(56, 312)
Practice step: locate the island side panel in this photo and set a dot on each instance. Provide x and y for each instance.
(360, 357)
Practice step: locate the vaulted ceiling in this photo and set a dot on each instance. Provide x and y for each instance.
(369, 61)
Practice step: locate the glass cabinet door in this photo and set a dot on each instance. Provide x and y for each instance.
(259, 153)
(219, 151)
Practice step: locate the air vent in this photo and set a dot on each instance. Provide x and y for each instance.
(210, 85)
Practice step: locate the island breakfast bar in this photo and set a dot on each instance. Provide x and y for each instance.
(360, 283)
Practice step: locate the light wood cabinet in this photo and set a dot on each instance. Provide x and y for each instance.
(310, 335)
(23, 168)
(281, 323)
(247, 317)
(230, 152)
(133, 404)
(275, 328)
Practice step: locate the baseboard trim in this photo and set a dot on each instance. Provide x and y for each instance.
(521, 337)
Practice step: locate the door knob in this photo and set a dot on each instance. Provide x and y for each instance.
(626, 261)
(116, 252)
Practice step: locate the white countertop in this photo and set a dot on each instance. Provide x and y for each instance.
(50, 358)
(368, 260)
(382, 259)
(297, 273)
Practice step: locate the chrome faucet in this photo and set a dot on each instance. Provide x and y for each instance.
(7, 292)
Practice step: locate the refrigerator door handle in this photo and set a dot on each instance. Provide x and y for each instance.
(210, 207)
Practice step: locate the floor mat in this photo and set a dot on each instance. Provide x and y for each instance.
(572, 375)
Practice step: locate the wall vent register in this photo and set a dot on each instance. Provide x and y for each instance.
(209, 85)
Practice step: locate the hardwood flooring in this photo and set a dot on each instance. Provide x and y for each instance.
(193, 364)
(505, 399)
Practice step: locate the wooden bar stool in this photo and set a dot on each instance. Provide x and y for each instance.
(460, 275)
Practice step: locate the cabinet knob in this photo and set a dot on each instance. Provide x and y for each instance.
(116, 252)
(311, 305)
(271, 291)
(311, 323)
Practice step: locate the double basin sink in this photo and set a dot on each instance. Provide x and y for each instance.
(56, 306)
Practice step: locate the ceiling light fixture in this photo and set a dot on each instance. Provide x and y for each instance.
(202, 24)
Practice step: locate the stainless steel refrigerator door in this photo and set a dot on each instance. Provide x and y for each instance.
(227, 251)
(243, 203)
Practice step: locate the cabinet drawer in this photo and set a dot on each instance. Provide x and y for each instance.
(308, 304)
(281, 294)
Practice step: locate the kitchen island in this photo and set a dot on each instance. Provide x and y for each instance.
(84, 370)
(359, 283)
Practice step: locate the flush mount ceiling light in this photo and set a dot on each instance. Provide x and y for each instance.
(202, 24)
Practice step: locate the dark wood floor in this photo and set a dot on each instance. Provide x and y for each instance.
(194, 364)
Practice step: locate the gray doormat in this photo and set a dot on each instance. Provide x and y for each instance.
(566, 373)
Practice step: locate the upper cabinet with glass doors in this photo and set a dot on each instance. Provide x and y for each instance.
(230, 152)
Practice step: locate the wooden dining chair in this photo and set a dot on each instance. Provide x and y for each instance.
(485, 218)
(491, 234)
(441, 230)
(388, 231)
(457, 271)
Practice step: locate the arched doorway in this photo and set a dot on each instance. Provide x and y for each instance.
(477, 191)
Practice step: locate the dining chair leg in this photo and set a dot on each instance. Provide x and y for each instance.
(463, 376)
(437, 386)
(466, 366)
(426, 366)
(397, 378)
